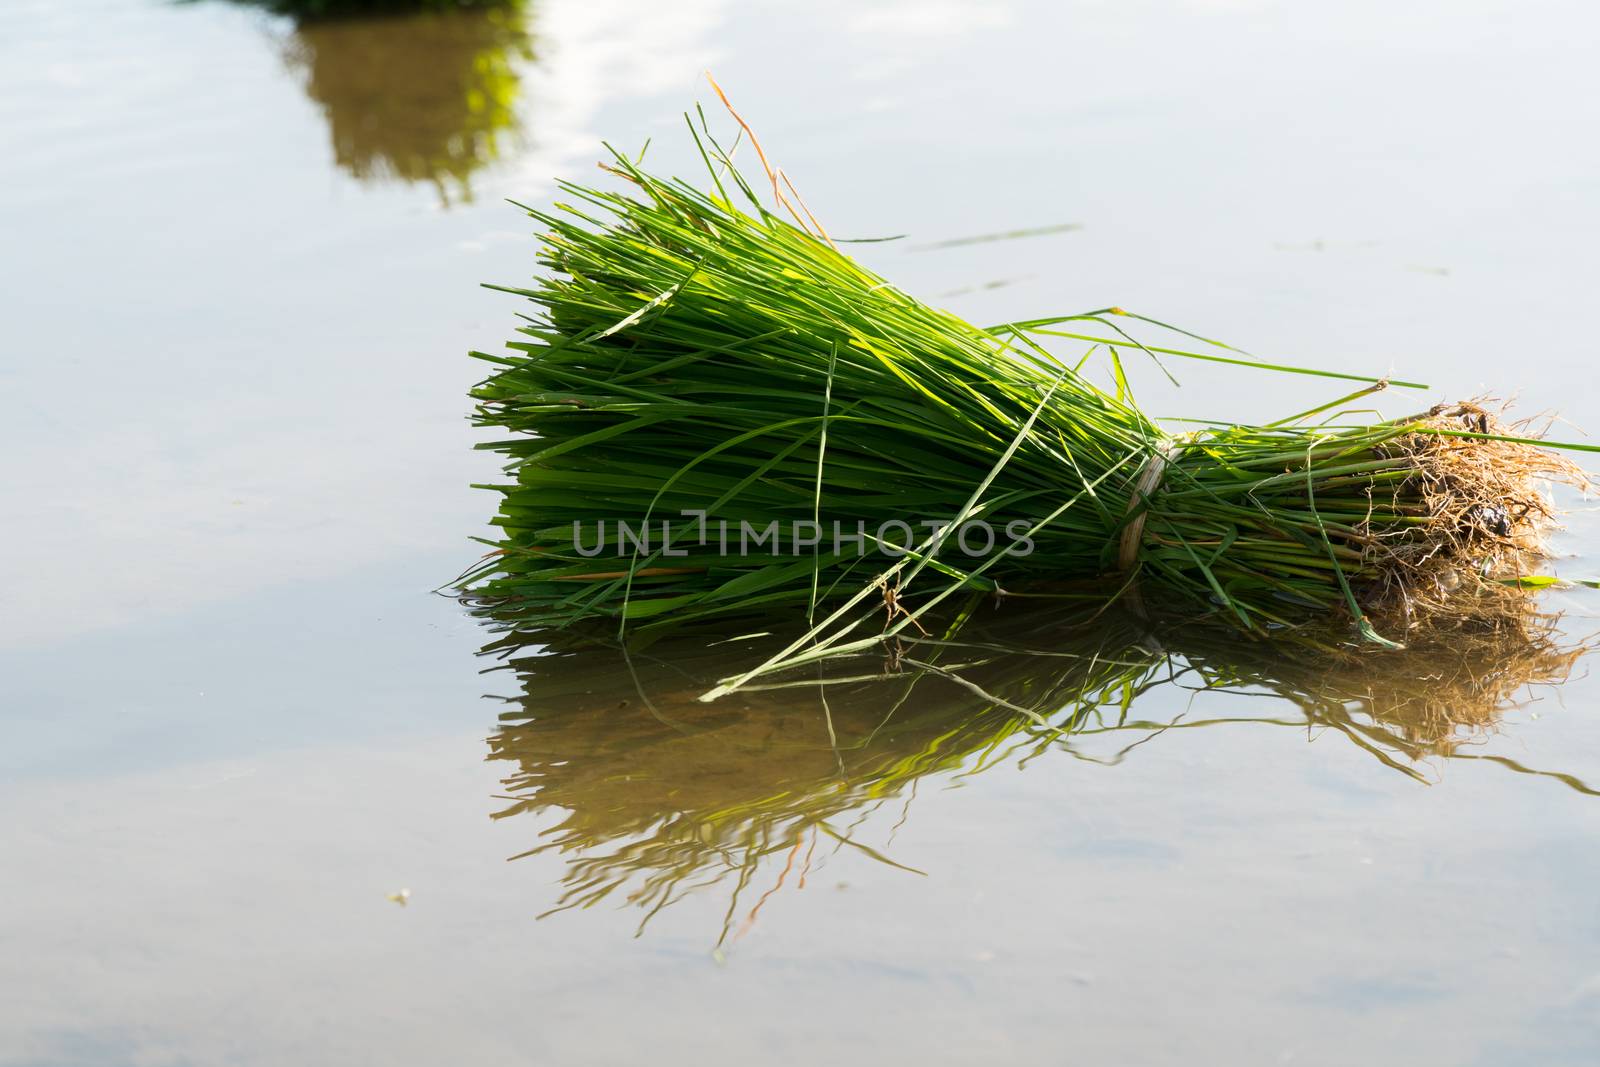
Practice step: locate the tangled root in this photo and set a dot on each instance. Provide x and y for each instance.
(1481, 507)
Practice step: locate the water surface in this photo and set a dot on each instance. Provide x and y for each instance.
(243, 262)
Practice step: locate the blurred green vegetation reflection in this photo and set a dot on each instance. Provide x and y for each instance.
(427, 97)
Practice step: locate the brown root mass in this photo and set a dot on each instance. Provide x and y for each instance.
(1481, 508)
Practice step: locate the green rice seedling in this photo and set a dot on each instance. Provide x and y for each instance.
(713, 411)
(655, 794)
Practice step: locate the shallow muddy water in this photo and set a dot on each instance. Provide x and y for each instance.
(243, 259)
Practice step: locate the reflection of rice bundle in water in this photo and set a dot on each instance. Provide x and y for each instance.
(662, 792)
(1465, 663)
(425, 97)
(701, 373)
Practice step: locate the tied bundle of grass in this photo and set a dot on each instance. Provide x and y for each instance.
(660, 794)
(717, 412)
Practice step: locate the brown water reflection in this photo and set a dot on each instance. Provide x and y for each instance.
(661, 795)
(429, 97)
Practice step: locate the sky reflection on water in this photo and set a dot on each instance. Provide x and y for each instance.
(237, 458)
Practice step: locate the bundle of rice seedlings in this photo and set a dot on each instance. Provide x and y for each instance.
(659, 793)
(714, 411)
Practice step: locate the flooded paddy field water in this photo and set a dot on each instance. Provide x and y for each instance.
(237, 723)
